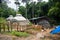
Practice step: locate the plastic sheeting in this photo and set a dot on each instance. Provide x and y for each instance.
(56, 30)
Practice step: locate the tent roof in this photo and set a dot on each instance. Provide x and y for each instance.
(19, 17)
(43, 17)
(10, 18)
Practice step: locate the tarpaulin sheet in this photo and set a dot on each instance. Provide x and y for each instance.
(56, 30)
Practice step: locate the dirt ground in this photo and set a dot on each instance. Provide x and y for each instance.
(45, 35)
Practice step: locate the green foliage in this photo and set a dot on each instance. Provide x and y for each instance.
(20, 34)
(57, 4)
(2, 20)
(30, 23)
(5, 11)
(53, 11)
(16, 33)
(32, 9)
(22, 10)
(50, 9)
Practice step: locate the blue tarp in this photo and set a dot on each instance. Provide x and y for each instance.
(56, 30)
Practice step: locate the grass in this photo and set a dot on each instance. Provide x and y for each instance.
(18, 34)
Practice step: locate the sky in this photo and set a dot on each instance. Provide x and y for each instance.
(12, 5)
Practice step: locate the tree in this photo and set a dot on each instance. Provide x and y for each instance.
(49, 9)
(17, 5)
(22, 10)
(35, 9)
(5, 11)
(54, 11)
(26, 1)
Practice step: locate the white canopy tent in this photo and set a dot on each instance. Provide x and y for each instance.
(10, 21)
(22, 21)
(10, 18)
(18, 18)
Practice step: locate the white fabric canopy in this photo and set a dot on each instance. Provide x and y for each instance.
(19, 17)
(10, 18)
(22, 21)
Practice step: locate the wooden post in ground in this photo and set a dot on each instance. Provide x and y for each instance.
(17, 26)
(8, 27)
(0, 27)
(11, 26)
(3, 27)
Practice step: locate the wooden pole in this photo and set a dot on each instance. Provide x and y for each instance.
(11, 26)
(3, 27)
(0, 27)
(17, 26)
(8, 26)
